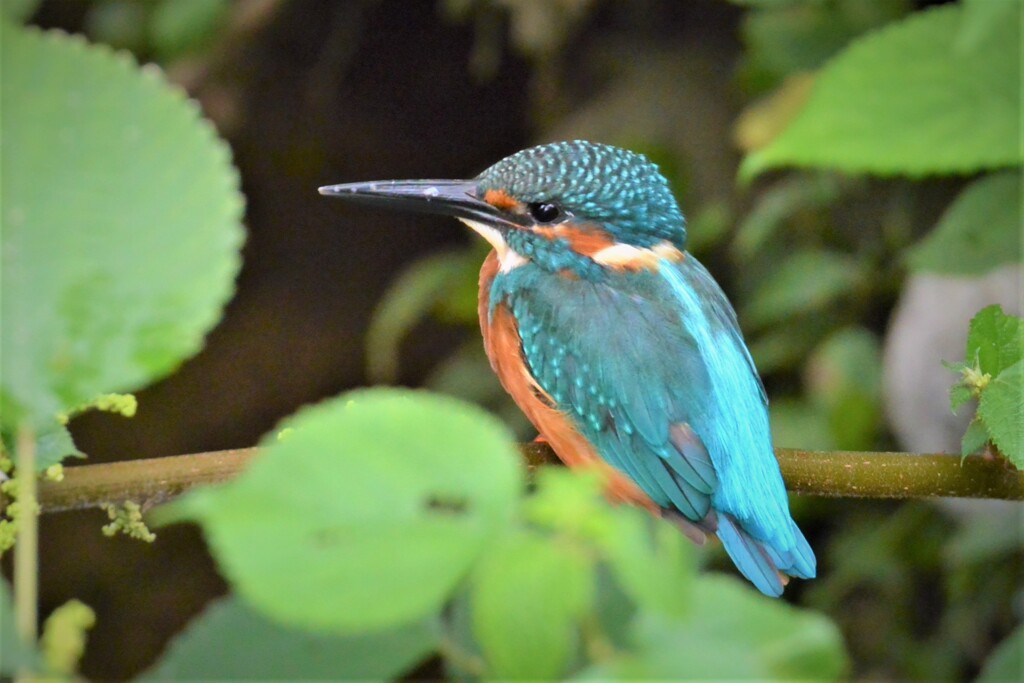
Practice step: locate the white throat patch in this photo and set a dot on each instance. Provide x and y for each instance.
(508, 258)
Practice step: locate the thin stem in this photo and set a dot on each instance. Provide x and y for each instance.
(26, 550)
(843, 474)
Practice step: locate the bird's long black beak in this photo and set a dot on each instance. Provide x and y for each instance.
(456, 198)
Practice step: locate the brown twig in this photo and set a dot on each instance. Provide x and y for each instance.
(843, 474)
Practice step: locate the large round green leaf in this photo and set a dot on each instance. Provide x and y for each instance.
(229, 641)
(120, 224)
(367, 514)
(910, 99)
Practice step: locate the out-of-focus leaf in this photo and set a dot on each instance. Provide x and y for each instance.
(458, 632)
(118, 23)
(1006, 663)
(844, 375)
(655, 568)
(734, 633)
(1001, 406)
(416, 292)
(980, 231)
(613, 607)
(18, 10)
(18, 657)
(569, 502)
(118, 255)
(799, 424)
(974, 438)
(899, 102)
(778, 204)
(231, 641)
(528, 594)
(804, 282)
(762, 121)
(784, 37)
(64, 637)
(982, 18)
(53, 445)
(980, 540)
(709, 226)
(176, 28)
(786, 345)
(467, 374)
(653, 564)
(384, 498)
(995, 340)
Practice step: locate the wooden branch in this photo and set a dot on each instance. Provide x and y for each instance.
(842, 474)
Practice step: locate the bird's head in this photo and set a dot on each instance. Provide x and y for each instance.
(576, 206)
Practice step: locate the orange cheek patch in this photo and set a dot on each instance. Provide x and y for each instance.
(500, 199)
(583, 239)
(588, 241)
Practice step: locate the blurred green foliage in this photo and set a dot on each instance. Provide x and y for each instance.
(394, 503)
(164, 30)
(231, 641)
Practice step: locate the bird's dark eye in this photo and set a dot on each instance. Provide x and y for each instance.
(545, 212)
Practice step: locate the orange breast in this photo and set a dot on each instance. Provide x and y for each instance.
(504, 349)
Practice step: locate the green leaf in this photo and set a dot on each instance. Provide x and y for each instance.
(18, 10)
(368, 514)
(53, 445)
(786, 347)
(18, 657)
(708, 227)
(995, 340)
(982, 18)
(806, 281)
(784, 37)
(527, 596)
(731, 633)
(959, 394)
(796, 423)
(417, 291)
(1001, 406)
(778, 205)
(980, 231)
(652, 561)
(229, 640)
(844, 376)
(120, 219)
(900, 101)
(975, 438)
(177, 28)
(1007, 661)
(656, 567)
(121, 24)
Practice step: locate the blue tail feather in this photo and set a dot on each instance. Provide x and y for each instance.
(752, 559)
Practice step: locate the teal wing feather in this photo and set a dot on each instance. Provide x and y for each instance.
(654, 372)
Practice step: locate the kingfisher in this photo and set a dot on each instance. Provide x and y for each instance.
(618, 345)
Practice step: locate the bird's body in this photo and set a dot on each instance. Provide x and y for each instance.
(619, 346)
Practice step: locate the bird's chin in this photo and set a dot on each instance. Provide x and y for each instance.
(508, 258)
